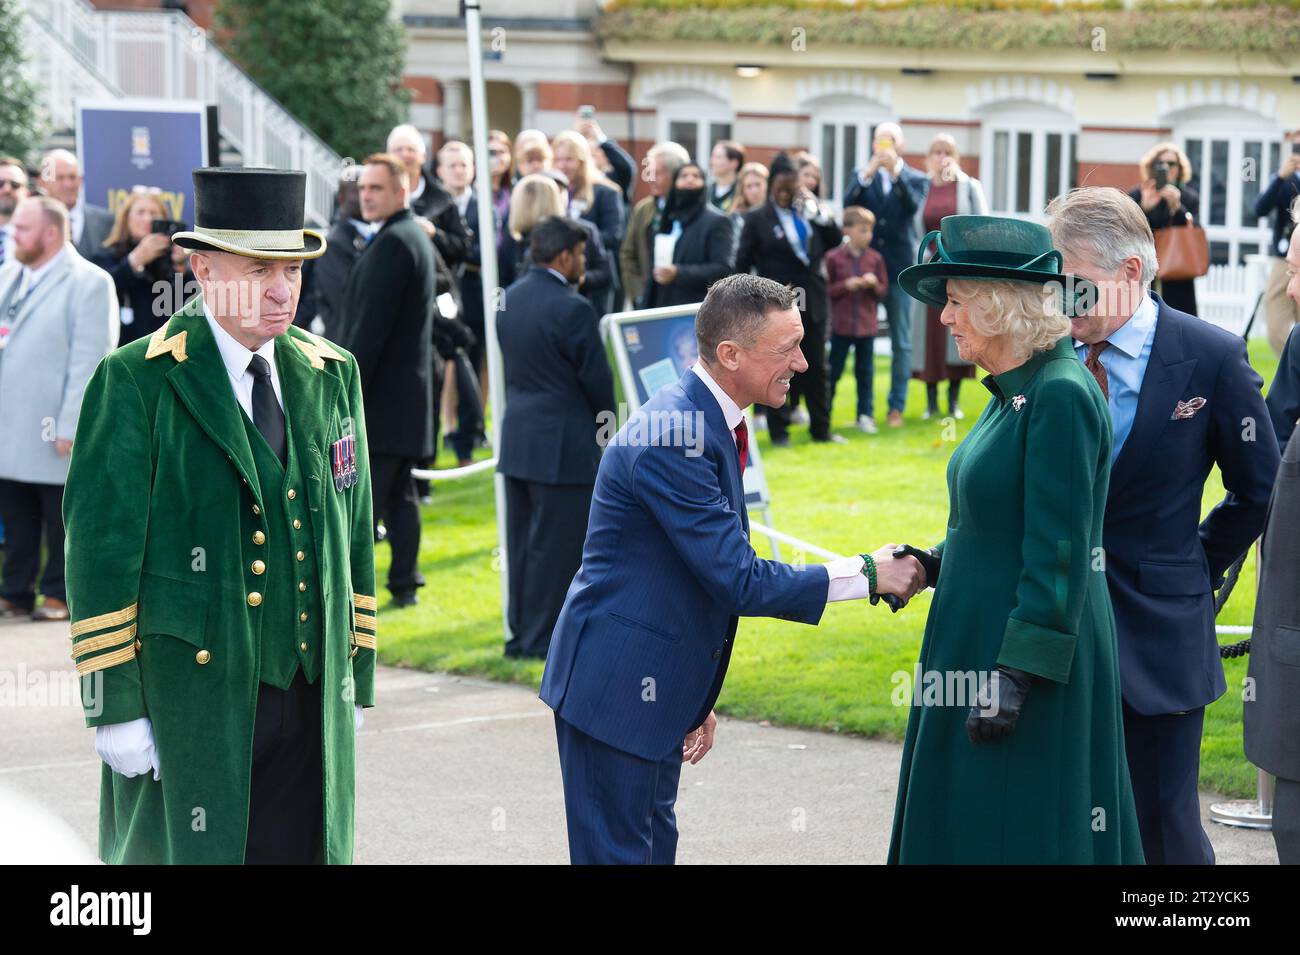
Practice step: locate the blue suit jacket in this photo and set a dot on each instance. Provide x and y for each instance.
(1162, 560)
(639, 652)
(893, 236)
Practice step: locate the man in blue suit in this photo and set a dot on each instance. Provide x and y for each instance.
(641, 647)
(1183, 398)
(893, 191)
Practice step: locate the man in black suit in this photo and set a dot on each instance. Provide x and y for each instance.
(432, 206)
(324, 279)
(893, 191)
(559, 392)
(785, 240)
(89, 224)
(387, 323)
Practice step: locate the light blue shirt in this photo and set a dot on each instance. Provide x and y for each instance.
(1125, 362)
(791, 234)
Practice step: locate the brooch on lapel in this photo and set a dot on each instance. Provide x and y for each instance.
(344, 454)
(1187, 409)
(778, 232)
(1018, 402)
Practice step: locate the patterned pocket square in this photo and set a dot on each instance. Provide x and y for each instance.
(1187, 409)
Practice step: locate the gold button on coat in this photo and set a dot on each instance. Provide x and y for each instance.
(256, 509)
(292, 494)
(202, 657)
(303, 646)
(303, 616)
(302, 586)
(301, 556)
(254, 599)
(297, 524)
(259, 537)
(259, 567)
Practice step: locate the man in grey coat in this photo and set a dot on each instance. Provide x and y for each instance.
(1271, 702)
(58, 318)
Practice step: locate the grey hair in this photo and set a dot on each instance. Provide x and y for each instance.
(736, 309)
(674, 155)
(1104, 225)
(1029, 317)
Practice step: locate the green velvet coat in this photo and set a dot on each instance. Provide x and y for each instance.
(1023, 584)
(165, 529)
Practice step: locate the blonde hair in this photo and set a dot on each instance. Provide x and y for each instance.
(584, 183)
(856, 214)
(121, 231)
(1184, 164)
(534, 198)
(1028, 316)
(740, 204)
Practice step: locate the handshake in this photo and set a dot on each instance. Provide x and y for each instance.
(902, 571)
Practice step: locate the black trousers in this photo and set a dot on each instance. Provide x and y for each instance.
(1164, 763)
(286, 803)
(813, 386)
(546, 525)
(26, 510)
(395, 502)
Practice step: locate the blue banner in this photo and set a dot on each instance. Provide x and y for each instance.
(127, 143)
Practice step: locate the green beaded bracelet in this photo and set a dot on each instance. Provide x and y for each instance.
(869, 570)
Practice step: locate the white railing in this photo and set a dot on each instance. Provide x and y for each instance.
(165, 55)
(1226, 294)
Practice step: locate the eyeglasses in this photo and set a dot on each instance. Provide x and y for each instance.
(13, 183)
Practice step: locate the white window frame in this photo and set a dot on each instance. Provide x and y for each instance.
(1237, 127)
(837, 112)
(700, 108)
(1037, 120)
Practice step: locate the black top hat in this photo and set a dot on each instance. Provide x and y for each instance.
(252, 212)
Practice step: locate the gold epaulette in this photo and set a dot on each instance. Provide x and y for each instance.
(316, 349)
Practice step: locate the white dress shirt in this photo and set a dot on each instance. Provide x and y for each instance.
(77, 221)
(236, 358)
(845, 580)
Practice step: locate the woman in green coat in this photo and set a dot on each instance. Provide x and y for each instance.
(1030, 769)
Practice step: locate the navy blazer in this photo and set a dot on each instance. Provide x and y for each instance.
(557, 382)
(1162, 561)
(641, 647)
(893, 236)
(1284, 394)
(1275, 200)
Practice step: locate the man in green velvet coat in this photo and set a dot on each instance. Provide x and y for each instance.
(220, 557)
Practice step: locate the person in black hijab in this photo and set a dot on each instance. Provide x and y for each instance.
(693, 247)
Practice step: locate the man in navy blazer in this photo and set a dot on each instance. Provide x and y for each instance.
(893, 191)
(641, 647)
(1183, 398)
(558, 391)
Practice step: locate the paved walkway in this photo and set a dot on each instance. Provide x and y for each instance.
(454, 770)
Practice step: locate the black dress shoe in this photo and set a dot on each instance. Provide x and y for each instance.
(405, 599)
(780, 442)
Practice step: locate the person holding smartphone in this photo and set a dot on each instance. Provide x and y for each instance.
(138, 254)
(1170, 200)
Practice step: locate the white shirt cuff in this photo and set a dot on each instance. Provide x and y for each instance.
(847, 582)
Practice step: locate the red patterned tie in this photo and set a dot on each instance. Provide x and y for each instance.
(1094, 365)
(742, 445)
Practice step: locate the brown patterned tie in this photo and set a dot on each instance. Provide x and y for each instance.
(1094, 365)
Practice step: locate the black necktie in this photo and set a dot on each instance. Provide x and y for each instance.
(267, 414)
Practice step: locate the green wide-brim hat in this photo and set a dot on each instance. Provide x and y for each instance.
(253, 212)
(992, 248)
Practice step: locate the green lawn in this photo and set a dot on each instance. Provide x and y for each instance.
(836, 677)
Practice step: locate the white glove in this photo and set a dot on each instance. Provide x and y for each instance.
(360, 719)
(128, 748)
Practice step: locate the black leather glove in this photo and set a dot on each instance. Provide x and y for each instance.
(930, 560)
(1005, 693)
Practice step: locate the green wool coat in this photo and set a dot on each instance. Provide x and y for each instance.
(1023, 584)
(166, 550)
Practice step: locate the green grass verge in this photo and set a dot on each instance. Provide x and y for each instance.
(835, 677)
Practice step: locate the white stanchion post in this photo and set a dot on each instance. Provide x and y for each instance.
(488, 275)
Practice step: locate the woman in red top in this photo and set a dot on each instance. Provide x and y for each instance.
(934, 355)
